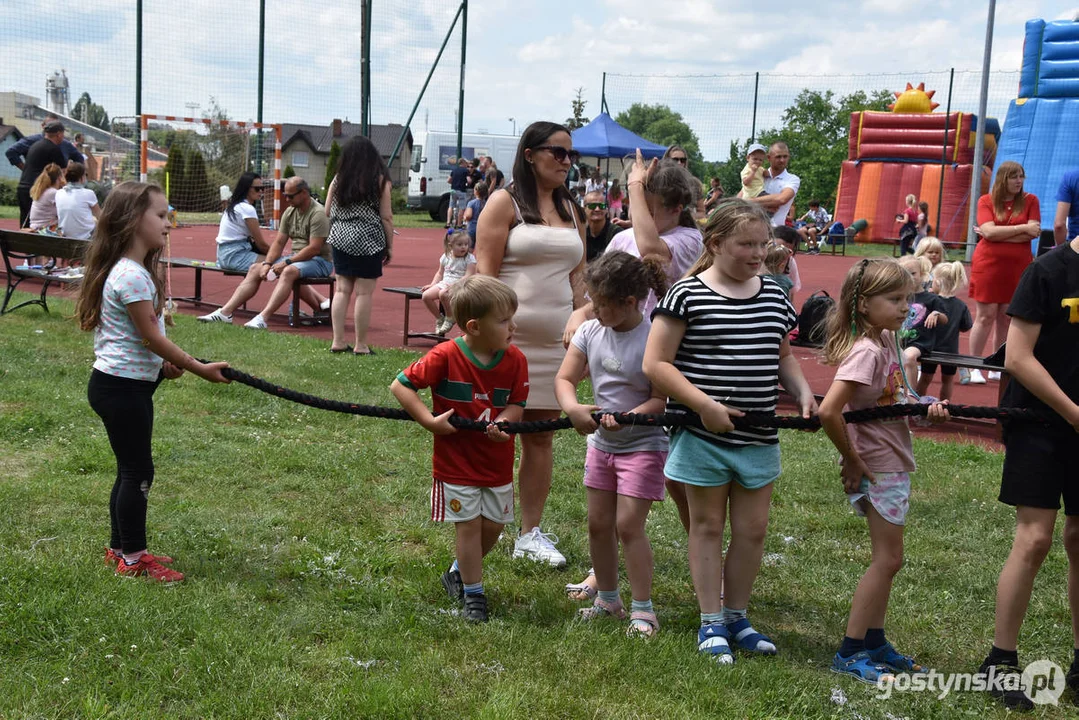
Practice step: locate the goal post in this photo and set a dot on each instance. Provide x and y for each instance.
(203, 155)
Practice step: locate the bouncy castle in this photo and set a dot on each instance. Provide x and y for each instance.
(911, 151)
(1042, 130)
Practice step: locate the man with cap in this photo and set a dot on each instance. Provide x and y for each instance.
(17, 152)
(44, 151)
(780, 186)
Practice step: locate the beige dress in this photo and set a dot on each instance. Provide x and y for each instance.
(537, 265)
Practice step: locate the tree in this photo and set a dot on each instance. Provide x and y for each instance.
(816, 129)
(578, 120)
(288, 172)
(664, 126)
(174, 166)
(89, 112)
(331, 164)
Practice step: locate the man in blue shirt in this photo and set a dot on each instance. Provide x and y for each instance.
(459, 177)
(16, 154)
(1066, 222)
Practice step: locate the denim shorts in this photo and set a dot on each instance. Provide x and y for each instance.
(236, 255)
(315, 267)
(696, 461)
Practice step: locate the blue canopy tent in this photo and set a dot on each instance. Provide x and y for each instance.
(604, 138)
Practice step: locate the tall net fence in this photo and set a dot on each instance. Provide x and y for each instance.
(200, 59)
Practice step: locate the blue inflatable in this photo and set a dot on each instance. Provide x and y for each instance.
(1041, 132)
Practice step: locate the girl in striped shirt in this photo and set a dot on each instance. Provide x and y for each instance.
(718, 348)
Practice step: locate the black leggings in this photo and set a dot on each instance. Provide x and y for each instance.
(126, 407)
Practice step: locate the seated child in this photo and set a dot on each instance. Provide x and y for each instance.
(456, 263)
(924, 315)
(815, 223)
(478, 376)
(948, 279)
(753, 173)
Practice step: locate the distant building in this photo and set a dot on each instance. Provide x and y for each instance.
(307, 148)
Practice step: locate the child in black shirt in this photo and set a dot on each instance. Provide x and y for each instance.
(948, 279)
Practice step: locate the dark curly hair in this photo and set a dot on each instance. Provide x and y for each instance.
(618, 275)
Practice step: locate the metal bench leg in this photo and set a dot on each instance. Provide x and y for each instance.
(408, 306)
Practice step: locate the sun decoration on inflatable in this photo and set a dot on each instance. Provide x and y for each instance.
(914, 100)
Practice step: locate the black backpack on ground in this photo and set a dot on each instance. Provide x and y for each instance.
(812, 319)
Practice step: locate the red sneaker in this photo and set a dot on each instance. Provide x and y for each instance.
(111, 558)
(151, 567)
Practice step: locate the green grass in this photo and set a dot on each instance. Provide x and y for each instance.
(313, 569)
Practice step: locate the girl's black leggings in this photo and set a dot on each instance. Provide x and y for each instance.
(126, 407)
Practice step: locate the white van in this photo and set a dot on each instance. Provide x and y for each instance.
(429, 174)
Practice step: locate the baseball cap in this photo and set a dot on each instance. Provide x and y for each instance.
(755, 147)
(54, 126)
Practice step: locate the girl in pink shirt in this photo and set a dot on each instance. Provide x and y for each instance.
(877, 455)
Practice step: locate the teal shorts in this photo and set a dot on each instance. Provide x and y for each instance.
(696, 461)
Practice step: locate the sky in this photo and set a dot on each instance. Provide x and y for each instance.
(525, 59)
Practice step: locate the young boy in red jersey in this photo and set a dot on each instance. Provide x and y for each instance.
(478, 376)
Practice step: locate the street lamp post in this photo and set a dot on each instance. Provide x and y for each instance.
(514, 121)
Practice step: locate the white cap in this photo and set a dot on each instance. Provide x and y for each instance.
(755, 147)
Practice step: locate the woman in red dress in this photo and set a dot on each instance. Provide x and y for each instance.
(1008, 219)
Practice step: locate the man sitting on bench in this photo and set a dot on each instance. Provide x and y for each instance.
(306, 226)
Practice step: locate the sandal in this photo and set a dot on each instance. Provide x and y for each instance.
(642, 624)
(889, 656)
(346, 348)
(749, 640)
(712, 639)
(582, 591)
(861, 667)
(600, 608)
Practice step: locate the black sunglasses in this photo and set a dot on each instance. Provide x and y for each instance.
(596, 206)
(260, 188)
(681, 160)
(292, 195)
(558, 152)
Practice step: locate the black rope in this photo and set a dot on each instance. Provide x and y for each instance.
(750, 420)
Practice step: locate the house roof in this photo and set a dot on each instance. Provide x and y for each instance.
(7, 130)
(320, 137)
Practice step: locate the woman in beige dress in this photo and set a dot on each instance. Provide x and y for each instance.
(531, 236)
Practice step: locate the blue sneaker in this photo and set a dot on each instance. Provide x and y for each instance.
(860, 667)
(713, 639)
(888, 655)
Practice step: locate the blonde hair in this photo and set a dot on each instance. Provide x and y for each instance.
(730, 217)
(868, 278)
(447, 243)
(476, 296)
(776, 257)
(911, 199)
(922, 262)
(121, 215)
(45, 180)
(928, 243)
(950, 278)
(1005, 172)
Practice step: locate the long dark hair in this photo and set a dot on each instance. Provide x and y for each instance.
(120, 217)
(361, 174)
(675, 186)
(239, 195)
(524, 189)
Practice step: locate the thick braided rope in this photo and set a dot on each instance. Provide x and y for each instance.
(758, 420)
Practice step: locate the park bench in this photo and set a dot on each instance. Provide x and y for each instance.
(321, 317)
(21, 249)
(412, 293)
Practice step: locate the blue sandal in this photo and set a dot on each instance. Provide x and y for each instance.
(860, 667)
(888, 655)
(749, 640)
(713, 639)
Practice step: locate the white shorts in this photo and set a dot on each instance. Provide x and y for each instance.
(461, 503)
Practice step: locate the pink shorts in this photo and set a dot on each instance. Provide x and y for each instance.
(635, 474)
(889, 496)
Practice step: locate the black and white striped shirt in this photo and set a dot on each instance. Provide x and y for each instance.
(730, 349)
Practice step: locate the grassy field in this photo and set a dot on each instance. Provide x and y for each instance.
(313, 570)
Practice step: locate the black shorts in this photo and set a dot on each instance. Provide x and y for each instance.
(931, 368)
(1039, 468)
(358, 266)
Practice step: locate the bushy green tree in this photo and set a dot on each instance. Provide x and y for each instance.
(89, 112)
(664, 126)
(331, 164)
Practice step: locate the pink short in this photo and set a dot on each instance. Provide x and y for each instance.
(635, 474)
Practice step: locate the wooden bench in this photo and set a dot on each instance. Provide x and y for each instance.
(20, 249)
(412, 293)
(321, 317)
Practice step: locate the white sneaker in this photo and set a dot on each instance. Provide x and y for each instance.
(215, 316)
(439, 322)
(257, 323)
(324, 305)
(976, 377)
(539, 546)
(994, 375)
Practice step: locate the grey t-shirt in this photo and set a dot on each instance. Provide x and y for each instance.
(619, 383)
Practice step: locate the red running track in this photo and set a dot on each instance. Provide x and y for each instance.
(415, 260)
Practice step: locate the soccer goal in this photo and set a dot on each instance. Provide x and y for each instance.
(198, 161)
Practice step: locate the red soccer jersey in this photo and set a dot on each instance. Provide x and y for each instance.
(474, 391)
